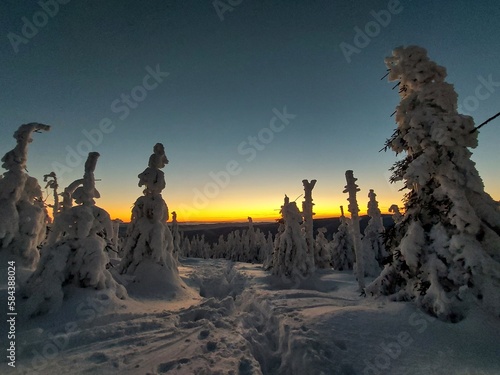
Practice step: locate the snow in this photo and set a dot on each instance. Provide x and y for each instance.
(236, 318)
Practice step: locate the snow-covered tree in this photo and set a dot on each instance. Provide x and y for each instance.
(149, 245)
(265, 245)
(23, 217)
(396, 213)
(373, 244)
(322, 250)
(351, 188)
(234, 245)
(75, 251)
(116, 242)
(248, 246)
(307, 212)
(292, 259)
(176, 236)
(342, 248)
(220, 248)
(51, 180)
(449, 248)
(185, 247)
(199, 248)
(273, 256)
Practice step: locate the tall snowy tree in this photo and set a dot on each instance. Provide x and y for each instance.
(149, 245)
(51, 180)
(342, 248)
(373, 244)
(292, 259)
(449, 252)
(250, 248)
(307, 212)
(22, 215)
(352, 189)
(176, 236)
(322, 250)
(75, 251)
(396, 213)
(266, 249)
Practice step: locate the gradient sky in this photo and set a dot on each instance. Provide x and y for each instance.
(225, 77)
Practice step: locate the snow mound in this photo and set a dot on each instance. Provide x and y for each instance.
(155, 281)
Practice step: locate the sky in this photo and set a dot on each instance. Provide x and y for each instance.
(248, 97)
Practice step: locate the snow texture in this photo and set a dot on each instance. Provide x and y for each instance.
(446, 247)
(243, 322)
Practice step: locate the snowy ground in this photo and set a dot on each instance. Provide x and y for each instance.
(234, 318)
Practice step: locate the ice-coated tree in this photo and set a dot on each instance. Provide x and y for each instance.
(176, 236)
(116, 242)
(342, 248)
(373, 243)
(322, 250)
(185, 247)
(23, 217)
(273, 256)
(307, 212)
(396, 213)
(448, 255)
(248, 246)
(220, 248)
(265, 245)
(292, 259)
(75, 251)
(149, 239)
(200, 248)
(351, 188)
(51, 180)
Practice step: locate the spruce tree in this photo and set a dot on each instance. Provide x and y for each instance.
(446, 247)
(23, 217)
(342, 248)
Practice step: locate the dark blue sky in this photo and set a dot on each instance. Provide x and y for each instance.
(225, 77)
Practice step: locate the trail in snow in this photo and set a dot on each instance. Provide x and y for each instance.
(245, 322)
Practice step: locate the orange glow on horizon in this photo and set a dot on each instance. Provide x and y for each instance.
(234, 214)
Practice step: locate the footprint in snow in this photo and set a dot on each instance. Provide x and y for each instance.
(203, 334)
(98, 358)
